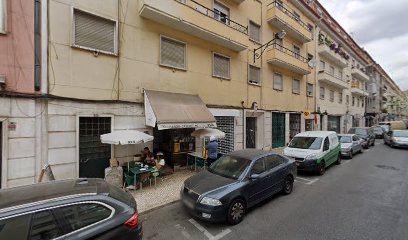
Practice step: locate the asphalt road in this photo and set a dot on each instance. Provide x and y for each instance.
(363, 198)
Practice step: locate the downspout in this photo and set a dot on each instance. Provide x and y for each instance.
(44, 46)
(37, 45)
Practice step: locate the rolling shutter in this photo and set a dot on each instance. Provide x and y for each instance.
(221, 66)
(172, 53)
(94, 32)
(254, 75)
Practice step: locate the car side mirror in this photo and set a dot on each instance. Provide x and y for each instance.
(254, 177)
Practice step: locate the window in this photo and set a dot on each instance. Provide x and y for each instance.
(172, 53)
(309, 57)
(15, 227)
(259, 167)
(362, 102)
(322, 66)
(309, 90)
(3, 16)
(353, 63)
(347, 99)
(81, 215)
(332, 70)
(358, 102)
(326, 144)
(221, 66)
(221, 12)
(341, 74)
(340, 97)
(331, 96)
(311, 28)
(296, 51)
(44, 226)
(273, 161)
(353, 101)
(94, 32)
(254, 75)
(277, 81)
(296, 86)
(322, 93)
(296, 16)
(254, 32)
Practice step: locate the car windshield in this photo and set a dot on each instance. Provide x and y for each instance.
(402, 134)
(359, 131)
(385, 127)
(345, 139)
(378, 130)
(229, 166)
(312, 143)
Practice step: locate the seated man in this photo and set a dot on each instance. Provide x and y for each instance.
(147, 157)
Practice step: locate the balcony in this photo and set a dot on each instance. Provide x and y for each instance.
(287, 59)
(281, 17)
(332, 80)
(331, 55)
(359, 74)
(195, 19)
(359, 92)
(238, 1)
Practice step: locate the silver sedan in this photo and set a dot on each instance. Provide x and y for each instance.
(350, 144)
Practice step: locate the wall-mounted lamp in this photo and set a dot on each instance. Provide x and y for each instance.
(279, 35)
(254, 106)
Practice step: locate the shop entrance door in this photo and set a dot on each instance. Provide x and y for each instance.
(251, 132)
(333, 124)
(294, 125)
(278, 130)
(93, 155)
(309, 124)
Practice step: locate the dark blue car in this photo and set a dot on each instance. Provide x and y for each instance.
(236, 182)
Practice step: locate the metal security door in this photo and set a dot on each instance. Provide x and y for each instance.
(93, 155)
(251, 132)
(278, 130)
(294, 125)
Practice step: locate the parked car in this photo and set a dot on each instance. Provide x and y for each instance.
(314, 150)
(395, 125)
(406, 122)
(236, 182)
(379, 132)
(350, 144)
(365, 133)
(68, 209)
(396, 138)
(386, 128)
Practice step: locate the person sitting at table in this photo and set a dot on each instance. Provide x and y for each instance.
(159, 162)
(147, 156)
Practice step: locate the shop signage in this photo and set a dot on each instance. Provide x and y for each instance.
(162, 126)
(306, 114)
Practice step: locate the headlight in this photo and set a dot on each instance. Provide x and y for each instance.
(210, 201)
(311, 157)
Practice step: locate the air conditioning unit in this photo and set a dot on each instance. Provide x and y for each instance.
(2, 79)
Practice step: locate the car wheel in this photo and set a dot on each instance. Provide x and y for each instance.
(373, 143)
(236, 211)
(350, 156)
(288, 185)
(338, 162)
(361, 150)
(322, 168)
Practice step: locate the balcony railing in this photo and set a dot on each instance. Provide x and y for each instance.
(332, 75)
(289, 52)
(289, 12)
(213, 14)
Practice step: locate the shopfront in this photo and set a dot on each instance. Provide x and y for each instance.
(174, 117)
(294, 124)
(333, 123)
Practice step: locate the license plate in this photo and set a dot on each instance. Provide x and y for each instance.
(188, 203)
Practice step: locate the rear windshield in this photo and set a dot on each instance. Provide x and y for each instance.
(312, 143)
(345, 139)
(403, 134)
(122, 196)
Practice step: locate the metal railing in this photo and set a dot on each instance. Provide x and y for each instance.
(213, 14)
(289, 12)
(332, 75)
(288, 52)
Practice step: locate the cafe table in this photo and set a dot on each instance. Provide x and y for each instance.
(197, 156)
(139, 171)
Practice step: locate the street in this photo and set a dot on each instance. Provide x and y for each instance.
(363, 198)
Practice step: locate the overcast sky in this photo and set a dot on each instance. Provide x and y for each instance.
(381, 28)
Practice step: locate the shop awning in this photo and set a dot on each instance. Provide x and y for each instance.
(175, 110)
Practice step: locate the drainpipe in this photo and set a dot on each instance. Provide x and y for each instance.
(37, 45)
(44, 46)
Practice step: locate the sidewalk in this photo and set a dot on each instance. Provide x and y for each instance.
(165, 192)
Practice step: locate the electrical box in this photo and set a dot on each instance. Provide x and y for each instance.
(2, 79)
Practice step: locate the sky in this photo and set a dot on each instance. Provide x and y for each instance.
(381, 28)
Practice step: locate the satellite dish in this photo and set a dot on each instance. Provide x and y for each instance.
(312, 63)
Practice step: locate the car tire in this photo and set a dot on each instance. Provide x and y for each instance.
(236, 211)
(287, 185)
(373, 143)
(322, 168)
(350, 156)
(338, 162)
(361, 150)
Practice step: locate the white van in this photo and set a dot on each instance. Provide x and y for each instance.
(314, 150)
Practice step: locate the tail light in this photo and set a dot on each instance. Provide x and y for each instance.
(133, 221)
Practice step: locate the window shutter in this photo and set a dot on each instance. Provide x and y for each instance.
(173, 53)
(254, 75)
(254, 32)
(221, 66)
(277, 81)
(94, 32)
(296, 86)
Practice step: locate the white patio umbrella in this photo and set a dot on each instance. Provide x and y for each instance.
(126, 137)
(208, 132)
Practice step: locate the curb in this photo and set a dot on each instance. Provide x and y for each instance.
(158, 207)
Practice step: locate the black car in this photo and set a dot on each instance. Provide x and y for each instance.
(365, 133)
(68, 209)
(236, 182)
(379, 132)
